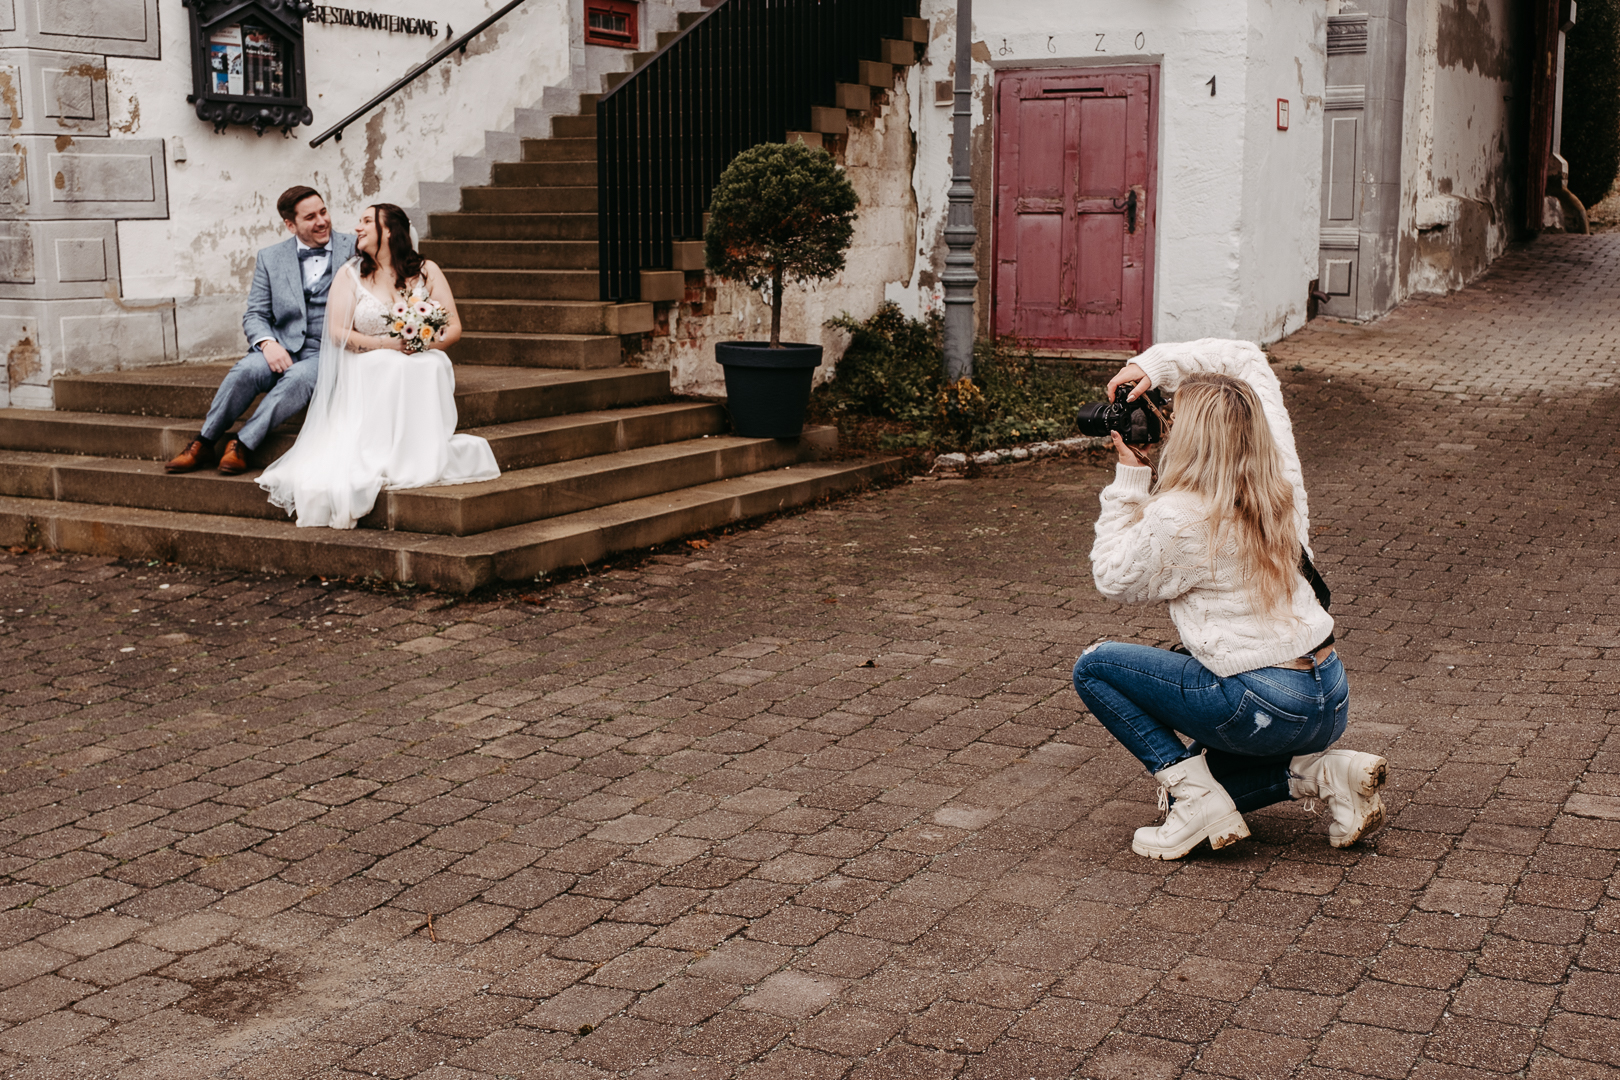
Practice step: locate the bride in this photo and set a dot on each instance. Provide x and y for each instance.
(380, 417)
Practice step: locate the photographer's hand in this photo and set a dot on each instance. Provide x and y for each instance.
(1130, 373)
(1128, 454)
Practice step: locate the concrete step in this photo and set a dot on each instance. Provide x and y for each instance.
(523, 284)
(513, 254)
(856, 97)
(574, 436)
(876, 73)
(513, 226)
(449, 563)
(828, 120)
(156, 438)
(574, 127)
(896, 52)
(517, 445)
(555, 317)
(576, 351)
(529, 200)
(581, 149)
(567, 487)
(544, 173)
(550, 467)
(484, 395)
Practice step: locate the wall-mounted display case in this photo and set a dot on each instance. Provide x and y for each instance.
(247, 63)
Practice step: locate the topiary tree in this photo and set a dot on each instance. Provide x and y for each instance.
(781, 212)
(1591, 136)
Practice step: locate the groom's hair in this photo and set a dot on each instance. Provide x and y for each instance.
(287, 205)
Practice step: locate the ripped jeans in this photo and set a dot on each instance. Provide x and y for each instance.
(1251, 723)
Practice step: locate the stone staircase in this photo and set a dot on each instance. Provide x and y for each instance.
(593, 462)
(596, 457)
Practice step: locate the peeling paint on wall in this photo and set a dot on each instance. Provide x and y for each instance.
(9, 96)
(370, 178)
(1456, 185)
(1465, 38)
(22, 361)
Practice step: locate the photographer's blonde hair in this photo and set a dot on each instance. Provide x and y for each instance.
(1221, 450)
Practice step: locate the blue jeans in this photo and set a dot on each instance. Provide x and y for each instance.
(251, 376)
(1251, 724)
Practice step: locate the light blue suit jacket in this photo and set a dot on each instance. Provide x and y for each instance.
(275, 306)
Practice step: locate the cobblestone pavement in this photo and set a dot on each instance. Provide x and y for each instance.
(817, 800)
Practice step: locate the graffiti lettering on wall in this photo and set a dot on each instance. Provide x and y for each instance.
(372, 20)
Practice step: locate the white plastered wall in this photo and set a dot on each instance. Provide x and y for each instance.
(222, 196)
(1457, 190)
(1282, 170)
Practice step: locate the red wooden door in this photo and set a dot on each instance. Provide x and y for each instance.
(1075, 172)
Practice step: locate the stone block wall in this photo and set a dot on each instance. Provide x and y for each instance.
(65, 183)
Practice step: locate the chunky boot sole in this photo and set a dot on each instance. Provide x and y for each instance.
(1371, 821)
(1372, 815)
(1376, 778)
(1228, 830)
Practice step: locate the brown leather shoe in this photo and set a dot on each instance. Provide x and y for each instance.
(235, 458)
(195, 456)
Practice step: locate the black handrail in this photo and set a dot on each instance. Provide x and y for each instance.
(336, 131)
(747, 72)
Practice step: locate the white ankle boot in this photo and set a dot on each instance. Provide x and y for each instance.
(1202, 811)
(1348, 781)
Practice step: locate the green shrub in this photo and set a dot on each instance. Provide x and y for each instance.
(893, 368)
(1591, 135)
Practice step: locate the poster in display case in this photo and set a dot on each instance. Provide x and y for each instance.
(248, 63)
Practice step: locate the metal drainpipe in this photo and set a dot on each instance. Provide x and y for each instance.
(960, 276)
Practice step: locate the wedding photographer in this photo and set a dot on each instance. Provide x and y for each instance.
(1222, 536)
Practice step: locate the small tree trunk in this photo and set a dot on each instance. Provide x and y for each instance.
(776, 308)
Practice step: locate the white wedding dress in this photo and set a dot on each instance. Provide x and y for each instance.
(378, 420)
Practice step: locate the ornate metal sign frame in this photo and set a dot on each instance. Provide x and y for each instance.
(284, 110)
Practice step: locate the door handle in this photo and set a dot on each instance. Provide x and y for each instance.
(1129, 206)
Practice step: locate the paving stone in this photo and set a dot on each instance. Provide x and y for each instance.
(887, 818)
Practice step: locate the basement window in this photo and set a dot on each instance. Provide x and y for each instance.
(611, 22)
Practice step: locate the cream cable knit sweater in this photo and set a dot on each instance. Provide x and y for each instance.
(1165, 555)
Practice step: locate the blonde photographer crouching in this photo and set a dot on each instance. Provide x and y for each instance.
(1223, 536)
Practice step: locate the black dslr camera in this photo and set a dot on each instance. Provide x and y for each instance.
(1138, 421)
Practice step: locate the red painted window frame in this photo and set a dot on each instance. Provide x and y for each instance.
(631, 9)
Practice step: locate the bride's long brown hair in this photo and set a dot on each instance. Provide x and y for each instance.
(407, 261)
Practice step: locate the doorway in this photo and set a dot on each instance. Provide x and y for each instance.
(1076, 198)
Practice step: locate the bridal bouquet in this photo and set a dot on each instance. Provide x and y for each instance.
(419, 322)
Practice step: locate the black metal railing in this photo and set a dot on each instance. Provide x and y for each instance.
(747, 72)
(455, 45)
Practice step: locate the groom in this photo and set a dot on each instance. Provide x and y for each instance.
(286, 314)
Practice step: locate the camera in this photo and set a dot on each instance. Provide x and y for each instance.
(1135, 420)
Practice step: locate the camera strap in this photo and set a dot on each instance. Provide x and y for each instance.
(1323, 595)
(1164, 417)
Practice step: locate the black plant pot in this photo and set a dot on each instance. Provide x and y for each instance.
(767, 389)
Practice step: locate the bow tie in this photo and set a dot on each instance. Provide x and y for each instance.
(310, 253)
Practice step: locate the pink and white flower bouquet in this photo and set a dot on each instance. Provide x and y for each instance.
(418, 322)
